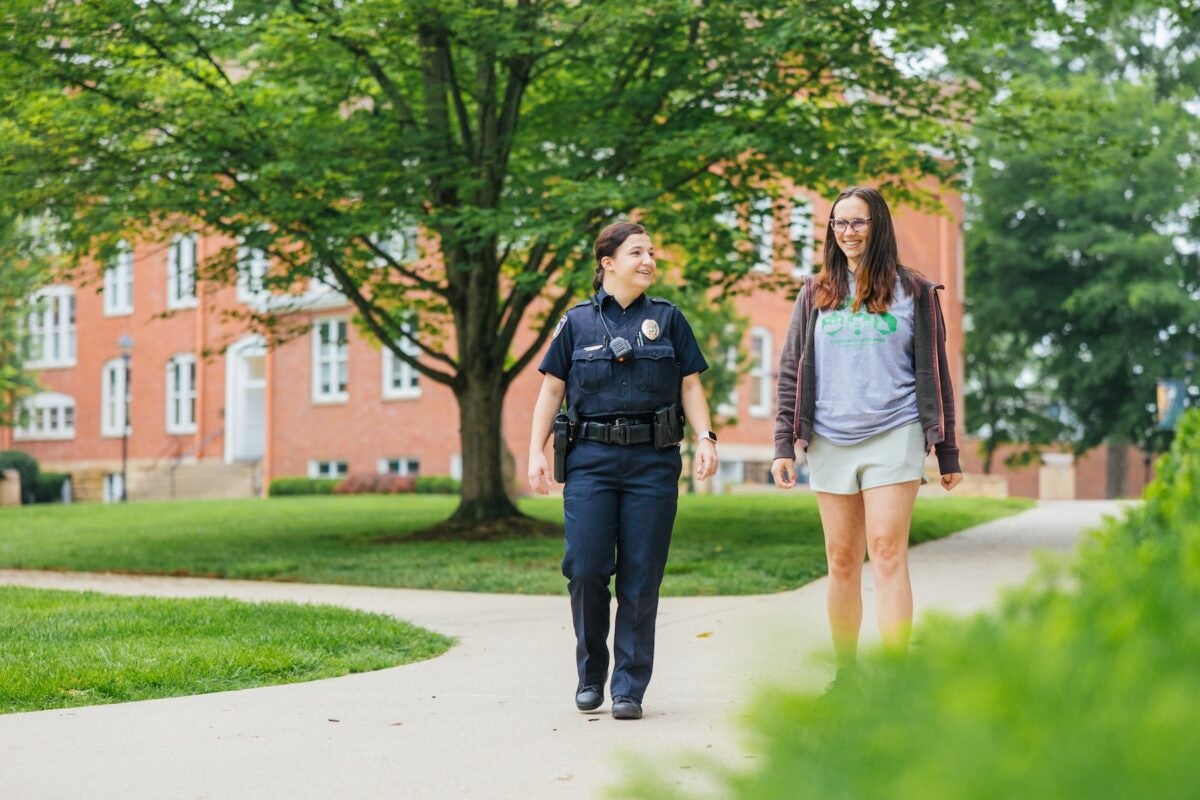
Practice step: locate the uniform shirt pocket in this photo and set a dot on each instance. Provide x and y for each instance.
(592, 370)
(655, 369)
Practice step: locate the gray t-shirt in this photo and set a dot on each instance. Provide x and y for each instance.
(866, 381)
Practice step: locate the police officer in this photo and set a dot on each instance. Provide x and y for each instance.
(626, 364)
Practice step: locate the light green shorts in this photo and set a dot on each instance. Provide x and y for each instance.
(894, 456)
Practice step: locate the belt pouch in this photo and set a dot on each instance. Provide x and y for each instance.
(562, 440)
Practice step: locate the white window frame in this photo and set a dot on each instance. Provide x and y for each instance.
(405, 466)
(801, 230)
(51, 328)
(113, 399)
(762, 233)
(181, 393)
(334, 355)
(727, 218)
(253, 264)
(401, 244)
(328, 468)
(729, 472)
(396, 371)
(112, 487)
(181, 271)
(760, 374)
(118, 283)
(47, 416)
(729, 406)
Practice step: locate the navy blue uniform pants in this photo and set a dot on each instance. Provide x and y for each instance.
(620, 506)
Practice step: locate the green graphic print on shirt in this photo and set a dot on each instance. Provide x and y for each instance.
(845, 328)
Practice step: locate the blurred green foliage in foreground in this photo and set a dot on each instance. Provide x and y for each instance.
(1084, 684)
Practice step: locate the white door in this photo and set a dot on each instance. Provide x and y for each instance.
(245, 400)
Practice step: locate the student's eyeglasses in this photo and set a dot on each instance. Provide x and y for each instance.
(857, 225)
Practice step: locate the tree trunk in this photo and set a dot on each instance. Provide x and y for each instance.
(485, 495)
(1117, 447)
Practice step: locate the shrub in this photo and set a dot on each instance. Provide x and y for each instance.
(49, 488)
(376, 483)
(1085, 687)
(290, 487)
(27, 466)
(438, 484)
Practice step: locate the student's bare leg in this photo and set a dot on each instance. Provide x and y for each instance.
(843, 520)
(888, 516)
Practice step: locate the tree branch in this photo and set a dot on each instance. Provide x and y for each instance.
(460, 106)
(371, 316)
(403, 110)
(423, 283)
(566, 47)
(557, 309)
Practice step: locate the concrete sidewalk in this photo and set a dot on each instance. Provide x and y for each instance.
(494, 717)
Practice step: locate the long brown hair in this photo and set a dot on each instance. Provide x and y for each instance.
(875, 277)
(607, 244)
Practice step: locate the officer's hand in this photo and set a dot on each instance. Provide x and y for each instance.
(783, 470)
(539, 473)
(950, 480)
(706, 459)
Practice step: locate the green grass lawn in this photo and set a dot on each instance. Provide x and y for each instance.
(66, 649)
(740, 544)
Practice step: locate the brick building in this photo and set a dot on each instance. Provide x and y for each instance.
(214, 412)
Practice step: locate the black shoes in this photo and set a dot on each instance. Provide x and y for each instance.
(626, 708)
(589, 697)
(845, 683)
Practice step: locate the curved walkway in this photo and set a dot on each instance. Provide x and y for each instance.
(494, 717)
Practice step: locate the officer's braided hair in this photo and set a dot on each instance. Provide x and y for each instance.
(607, 244)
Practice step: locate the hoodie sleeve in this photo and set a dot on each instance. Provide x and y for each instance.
(786, 391)
(947, 449)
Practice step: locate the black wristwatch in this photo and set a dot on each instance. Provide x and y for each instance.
(712, 437)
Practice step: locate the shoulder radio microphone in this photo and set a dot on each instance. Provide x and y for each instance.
(619, 345)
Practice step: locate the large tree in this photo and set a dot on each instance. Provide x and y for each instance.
(510, 131)
(1082, 249)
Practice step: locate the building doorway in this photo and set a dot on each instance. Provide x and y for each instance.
(245, 399)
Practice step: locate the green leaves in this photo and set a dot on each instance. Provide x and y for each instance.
(1085, 189)
(511, 133)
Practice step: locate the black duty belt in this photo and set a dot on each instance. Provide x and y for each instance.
(619, 431)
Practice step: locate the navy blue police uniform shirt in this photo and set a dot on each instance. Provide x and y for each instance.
(598, 384)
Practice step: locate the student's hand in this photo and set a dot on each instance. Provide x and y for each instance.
(539, 473)
(783, 470)
(706, 459)
(951, 480)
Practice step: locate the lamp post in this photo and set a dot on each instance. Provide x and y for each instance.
(125, 343)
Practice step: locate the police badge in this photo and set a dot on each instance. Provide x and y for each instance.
(558, 328)
(650, 328)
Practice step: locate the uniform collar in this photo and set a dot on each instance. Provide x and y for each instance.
(604, 296)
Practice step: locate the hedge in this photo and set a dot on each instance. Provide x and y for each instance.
(49, 487)
(289, 487)
(1085, 684)
(438, 484)
(376, 483)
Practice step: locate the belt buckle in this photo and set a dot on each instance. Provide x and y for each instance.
(618, 433)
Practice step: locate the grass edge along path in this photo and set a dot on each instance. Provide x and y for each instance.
(722, 545)
(64, 649)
